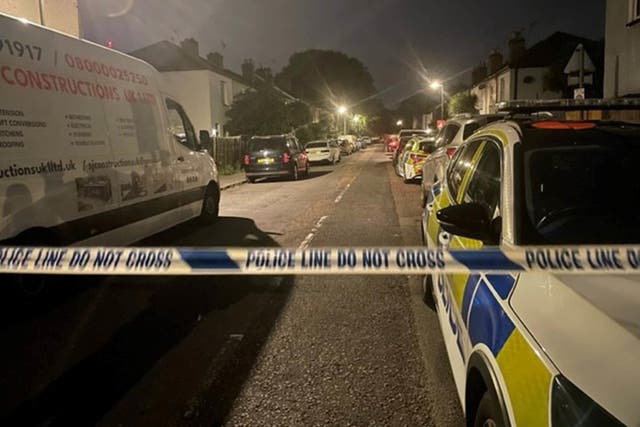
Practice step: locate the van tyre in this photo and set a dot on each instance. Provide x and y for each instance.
(210, 205)
(489, 413)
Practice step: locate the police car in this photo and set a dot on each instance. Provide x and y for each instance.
(541, 349)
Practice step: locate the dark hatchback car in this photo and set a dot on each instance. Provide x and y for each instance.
(275, 156)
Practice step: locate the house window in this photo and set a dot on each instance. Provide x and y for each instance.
(224, 90)
(634, 10)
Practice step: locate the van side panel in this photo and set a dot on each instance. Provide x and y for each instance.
(81, 134)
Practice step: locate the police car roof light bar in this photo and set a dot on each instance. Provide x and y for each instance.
(532, 106)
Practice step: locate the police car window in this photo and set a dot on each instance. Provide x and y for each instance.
(484, 185)
(470, 129)
(450, 133)
(180, 126)
(460, 166)
(581, 189)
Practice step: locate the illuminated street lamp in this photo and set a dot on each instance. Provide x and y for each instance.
(435, 85)
(342, 110)
(399, 123)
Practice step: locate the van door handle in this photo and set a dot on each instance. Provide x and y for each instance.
(181, 159)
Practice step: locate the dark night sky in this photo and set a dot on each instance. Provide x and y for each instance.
(391, 37)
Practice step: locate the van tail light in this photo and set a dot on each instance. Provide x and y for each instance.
(286, 157)
(451, 152)
(246, 159)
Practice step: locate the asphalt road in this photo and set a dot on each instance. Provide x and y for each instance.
(311, 350)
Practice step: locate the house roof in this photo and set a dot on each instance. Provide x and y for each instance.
(166, 56)
(557, 49)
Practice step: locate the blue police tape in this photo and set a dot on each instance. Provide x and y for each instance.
(320, 261)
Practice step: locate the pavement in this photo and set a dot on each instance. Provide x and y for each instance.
(230, 181)
(286, 351)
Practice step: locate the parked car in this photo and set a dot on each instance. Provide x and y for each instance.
(413, 156)
(454, 132)
(575, 337)
(323, 151)
(275, 156)
(347, 144)
(390, 143)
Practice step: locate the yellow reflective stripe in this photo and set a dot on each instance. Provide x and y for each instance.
(467, 174)
(528, 381)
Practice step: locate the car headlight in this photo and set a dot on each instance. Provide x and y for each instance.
(571, 407)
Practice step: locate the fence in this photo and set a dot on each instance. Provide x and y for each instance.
(228, 152)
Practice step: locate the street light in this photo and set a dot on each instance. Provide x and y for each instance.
(399, 123)
(435, 85)
(342, 110)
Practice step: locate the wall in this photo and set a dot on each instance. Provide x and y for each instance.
(61, 15)
(488, 92)
(218, 108)
(534, 90)
(190, 88)
(622, 45)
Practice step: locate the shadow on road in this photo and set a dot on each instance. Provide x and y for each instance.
(84, 390)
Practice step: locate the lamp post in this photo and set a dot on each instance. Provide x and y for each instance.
(435, 85)
(342, 110)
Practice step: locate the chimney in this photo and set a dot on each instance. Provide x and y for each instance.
(517, 47)
(190, 46)
(216, 59)
(495, 62)
(266, 74)
(479, 73)
(248, 70)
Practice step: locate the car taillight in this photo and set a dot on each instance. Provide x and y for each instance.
(246, 159)
(286, 157)
(451, 152)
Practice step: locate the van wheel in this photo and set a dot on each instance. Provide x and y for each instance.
(210, 204)
(33, 288)
(488, 413)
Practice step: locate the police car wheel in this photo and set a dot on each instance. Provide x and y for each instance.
(211, 204)
(427, 292)
(488, 413)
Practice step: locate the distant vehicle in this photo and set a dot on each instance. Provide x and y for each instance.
(390, 143)
(454, 132)
(323, 151)
(547, 183)
(412, 158)
(347, 144)
(275, 156)
(404, 137)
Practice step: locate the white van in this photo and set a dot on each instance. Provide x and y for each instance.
(93, 148)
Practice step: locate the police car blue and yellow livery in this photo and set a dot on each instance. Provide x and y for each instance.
(540, 349)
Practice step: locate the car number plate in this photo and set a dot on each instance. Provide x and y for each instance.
(266, 161)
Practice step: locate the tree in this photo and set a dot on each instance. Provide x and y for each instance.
(463, 102)
(328, 78)
(264, 111)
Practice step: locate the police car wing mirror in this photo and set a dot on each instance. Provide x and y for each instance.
(471, 220)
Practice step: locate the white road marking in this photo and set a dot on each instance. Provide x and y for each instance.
(307, 241)
(342, 193)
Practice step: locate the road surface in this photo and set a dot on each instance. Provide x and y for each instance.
(203, 351)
